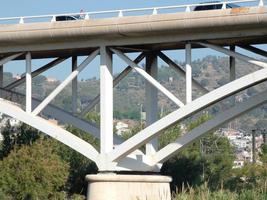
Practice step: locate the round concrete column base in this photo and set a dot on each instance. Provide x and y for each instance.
(128, 187)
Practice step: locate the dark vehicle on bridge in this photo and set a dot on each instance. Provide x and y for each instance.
(69, 17)
(215, 5)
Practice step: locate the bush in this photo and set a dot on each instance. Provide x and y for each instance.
(33, 172)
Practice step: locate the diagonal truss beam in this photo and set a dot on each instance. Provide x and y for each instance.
(9, 58)
(50, 129)
(234, 54)
(181, 71)
(174, 147)
(75, 73)
(202, 102)
(64, 116)
(35, 73)
(123, 74)
(150, 79)
(254, 50)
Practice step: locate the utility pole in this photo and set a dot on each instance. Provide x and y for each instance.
(141, 115)
(253, 147)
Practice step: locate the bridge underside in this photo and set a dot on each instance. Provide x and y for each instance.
(148, 36)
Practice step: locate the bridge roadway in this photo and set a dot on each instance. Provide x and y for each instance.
(239, 26)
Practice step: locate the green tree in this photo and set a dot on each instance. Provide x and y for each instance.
(33, 172)
(263, 154)
(207, 160)
(17, 136)
(80, 166)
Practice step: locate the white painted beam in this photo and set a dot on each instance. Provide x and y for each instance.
(234, 54)
(63, 116)
(35, 73)
(222, 118)
(9, 58)
(202, 102)
(53, 94)
(123, 74)
(50, 129)
(151, 100)
(106, 101)
(181, 72)
(188, 72)
(74, 86)
(28, 83)
(148, 78)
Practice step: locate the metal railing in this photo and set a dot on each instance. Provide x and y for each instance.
(124, 12)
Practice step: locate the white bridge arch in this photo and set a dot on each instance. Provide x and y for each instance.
(116, 154)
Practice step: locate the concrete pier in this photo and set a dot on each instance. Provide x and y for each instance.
(128, 187)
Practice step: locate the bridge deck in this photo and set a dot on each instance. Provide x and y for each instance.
(245, 25)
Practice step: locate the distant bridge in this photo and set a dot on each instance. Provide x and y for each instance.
(148, 35)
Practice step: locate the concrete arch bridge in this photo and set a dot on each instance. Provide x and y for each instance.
(148, 35)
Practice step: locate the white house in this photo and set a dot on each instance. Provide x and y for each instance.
(122, 128)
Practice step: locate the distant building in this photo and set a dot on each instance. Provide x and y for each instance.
(238, 164)
(17, 77)
(51, 80)
(122, 128)
(14, 122)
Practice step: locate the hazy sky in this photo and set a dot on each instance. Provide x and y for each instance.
(14, 8)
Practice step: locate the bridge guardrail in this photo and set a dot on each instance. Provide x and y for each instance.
(121, 13)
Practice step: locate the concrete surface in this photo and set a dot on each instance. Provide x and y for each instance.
(128, 187)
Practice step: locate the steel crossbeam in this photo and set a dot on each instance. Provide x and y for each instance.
(9, 58)
(75, 73)
(234, 54)
(254, 50)
(35, 73)
(148, 78)
(180, 71)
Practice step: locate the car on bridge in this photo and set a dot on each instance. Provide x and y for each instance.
(215, 5)
(69, 17)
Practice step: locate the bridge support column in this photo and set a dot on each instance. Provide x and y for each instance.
(232, 65)
(128, 187)
(106, 101)
(188, 72)
(151, 101)
(74, 86)
(28, 83)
